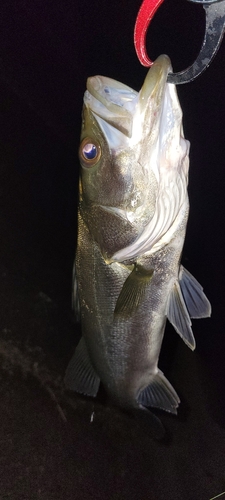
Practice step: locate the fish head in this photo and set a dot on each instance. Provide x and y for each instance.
(131, 146)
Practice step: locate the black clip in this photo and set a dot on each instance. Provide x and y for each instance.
(214, 31)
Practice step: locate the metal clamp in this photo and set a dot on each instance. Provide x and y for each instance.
(214, 31)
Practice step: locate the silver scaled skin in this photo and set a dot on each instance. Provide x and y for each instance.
(133, 212)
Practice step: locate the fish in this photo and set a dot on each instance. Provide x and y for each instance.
(133, 210)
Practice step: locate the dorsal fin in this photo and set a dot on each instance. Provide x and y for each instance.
(133, 290)
(178, 316)
(197, 303)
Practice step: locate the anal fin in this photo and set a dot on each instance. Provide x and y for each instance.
(160, 394)
(178, 316)
(80, 375)
(133, 290)
(196, 301)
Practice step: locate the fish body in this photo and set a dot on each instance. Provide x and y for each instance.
(132, 218)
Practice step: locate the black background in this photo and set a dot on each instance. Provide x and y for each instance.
(47, 51)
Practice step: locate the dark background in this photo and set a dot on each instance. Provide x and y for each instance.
(49, 448)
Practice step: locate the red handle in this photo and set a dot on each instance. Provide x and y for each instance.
(144, 17)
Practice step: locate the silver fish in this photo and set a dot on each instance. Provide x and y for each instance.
(133, 212)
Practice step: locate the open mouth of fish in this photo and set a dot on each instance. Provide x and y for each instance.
(119, 106)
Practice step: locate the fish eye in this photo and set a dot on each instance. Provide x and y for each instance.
(89, 152)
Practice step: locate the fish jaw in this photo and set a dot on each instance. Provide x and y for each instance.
(124, 109)
(112, 102)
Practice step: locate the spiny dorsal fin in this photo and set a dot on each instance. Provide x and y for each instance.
(197, 303)
(178, 316)
(160, 394)
(80, 375)
(133, 290)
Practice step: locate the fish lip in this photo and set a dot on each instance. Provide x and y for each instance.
(111, 102)
(114, 95)
(119, 105)
(155, 80)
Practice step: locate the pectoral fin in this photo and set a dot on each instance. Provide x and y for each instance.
(178, 316)
(197, 303)
(80, 375)
(133, 290)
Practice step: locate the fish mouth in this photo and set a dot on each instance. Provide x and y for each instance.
(119, 106)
